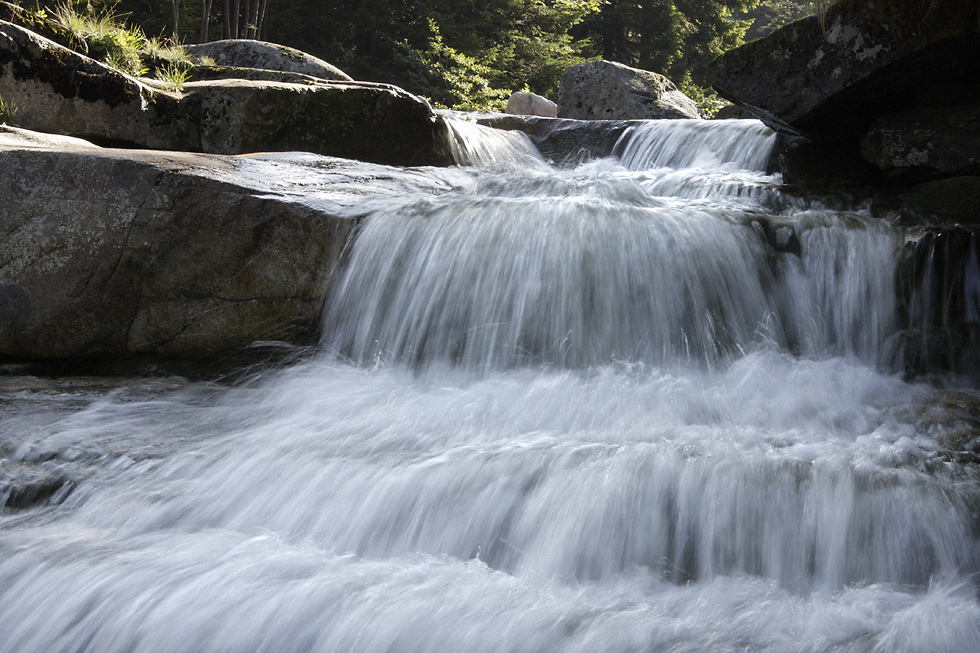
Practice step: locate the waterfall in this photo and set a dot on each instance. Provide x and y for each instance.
(589, 266)
(744, 144)
(649, 402)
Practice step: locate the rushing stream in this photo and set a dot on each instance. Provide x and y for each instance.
(645, 403)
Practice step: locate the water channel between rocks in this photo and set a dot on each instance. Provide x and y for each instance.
(650, 402)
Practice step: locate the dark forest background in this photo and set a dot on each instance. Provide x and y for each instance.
(474, 53)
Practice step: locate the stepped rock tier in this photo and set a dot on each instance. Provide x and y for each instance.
(605, 385)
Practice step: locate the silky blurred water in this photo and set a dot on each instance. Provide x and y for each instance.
(645, 404)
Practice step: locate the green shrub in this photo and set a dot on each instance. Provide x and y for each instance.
(706, 99)
(448, 77)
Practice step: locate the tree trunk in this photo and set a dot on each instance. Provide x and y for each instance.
(226, 20)
(234, 19)
(260, 32)
(253, 19)
(205, 19)
(176, 12)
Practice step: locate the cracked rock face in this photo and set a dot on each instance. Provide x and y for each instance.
(606, 90)
(120, 252)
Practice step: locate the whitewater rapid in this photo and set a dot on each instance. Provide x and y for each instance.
(646, 403)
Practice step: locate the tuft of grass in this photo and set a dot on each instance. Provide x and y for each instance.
(7, 111)
(103, 37)
(174, 75)
(207, 61)
(165, 50)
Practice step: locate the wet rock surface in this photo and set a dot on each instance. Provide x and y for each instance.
(956, 198)
(25, 485)
(939, 291)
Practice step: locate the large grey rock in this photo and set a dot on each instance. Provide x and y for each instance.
(829, 84)
(927, 142)
(62, 92)
(125, 252)
(606, 90)
(243, 53)
(368, 122)
(531, 104)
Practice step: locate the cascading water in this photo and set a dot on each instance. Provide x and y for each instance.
(597, 265)
(645, 403)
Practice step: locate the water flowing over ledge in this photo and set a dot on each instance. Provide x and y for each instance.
(644, 403)
(598, 264)
(743, 144)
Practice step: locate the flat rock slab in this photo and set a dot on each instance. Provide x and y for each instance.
(117, 253)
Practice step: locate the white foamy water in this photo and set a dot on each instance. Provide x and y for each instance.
(476, 145)
(574, 410)
(739, 144)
